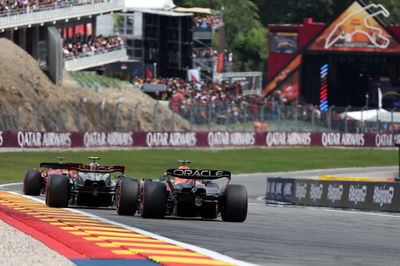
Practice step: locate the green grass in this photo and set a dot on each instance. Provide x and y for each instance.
(152, 163)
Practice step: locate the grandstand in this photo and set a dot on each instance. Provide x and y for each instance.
(38, 26)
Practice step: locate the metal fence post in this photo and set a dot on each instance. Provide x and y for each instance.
(191, 117)
(60, 118)
(362, 119)
(154, 117)
(100, 105)
(391, 114)
(17, 105)
(173, 119)
(117, 123)
(38, 119)
(330, 117)
(346, 129)
(137, 123)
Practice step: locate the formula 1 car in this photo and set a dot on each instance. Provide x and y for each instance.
(35, 181)
(187, 192)
(85, 185)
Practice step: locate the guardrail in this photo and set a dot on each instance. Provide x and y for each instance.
(106, 57)
(49, 13)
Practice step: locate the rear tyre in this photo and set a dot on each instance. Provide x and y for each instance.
(57, 193)
(234, 208)
(153, 203)
(127, 196)
(32, 183)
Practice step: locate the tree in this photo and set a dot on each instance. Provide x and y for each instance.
(293, 11)
(246, 38)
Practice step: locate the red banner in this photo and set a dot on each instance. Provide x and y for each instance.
(28, 139)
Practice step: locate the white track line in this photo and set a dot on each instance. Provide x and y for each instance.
(207, 252)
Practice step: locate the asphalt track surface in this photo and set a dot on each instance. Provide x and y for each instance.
(285, 234)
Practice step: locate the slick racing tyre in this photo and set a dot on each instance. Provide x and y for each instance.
(57, 193)
(32, 183)
(127, 196)
(153, 203)
(234, 208)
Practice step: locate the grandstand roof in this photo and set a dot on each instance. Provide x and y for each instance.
(160, 12)
(194, 10)
(153, 4)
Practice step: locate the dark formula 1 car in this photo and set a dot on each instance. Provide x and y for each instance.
(35, 181)
(187, 193)
(84, 185)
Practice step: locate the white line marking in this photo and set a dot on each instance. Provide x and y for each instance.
(10, 184)
(212, 254)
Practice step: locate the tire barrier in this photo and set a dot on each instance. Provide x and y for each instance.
(367, 195)
(40, 139)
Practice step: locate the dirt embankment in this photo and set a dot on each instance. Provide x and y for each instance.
(25, 89)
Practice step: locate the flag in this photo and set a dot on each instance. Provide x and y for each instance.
(193, 75)
(220, 62)
(149, 74)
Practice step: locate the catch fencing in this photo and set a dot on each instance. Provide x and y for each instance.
(203, 117)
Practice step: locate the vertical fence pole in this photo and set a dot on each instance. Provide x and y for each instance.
(173, 119)
(60, 118)
(18, 104)
(155, 128)
(137, 124)
(38, 115)
(117, 123)
(330, 117)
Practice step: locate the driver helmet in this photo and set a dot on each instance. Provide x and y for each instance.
(182, 180)
(94, 164)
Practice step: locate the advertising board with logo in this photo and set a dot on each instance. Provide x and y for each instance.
(358, 29)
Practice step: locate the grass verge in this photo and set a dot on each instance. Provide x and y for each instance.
(153, 162)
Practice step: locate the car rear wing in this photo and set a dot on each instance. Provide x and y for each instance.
(84, 168)
(199, 174)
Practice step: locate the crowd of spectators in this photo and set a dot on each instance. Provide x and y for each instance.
(219, 100)
(207, 22)
(220, 103)
(95, 45)
(205, 53)
(13, 7)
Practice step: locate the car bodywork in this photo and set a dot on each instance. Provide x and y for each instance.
(35, 181)
(195, 195)
(81, 184)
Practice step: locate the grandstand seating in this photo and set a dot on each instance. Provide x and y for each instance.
(48, 13)
(96, 60)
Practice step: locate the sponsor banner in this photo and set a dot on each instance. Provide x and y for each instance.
(279, 189)
(104, 139)
(224, 138)
(166, 139)
(35, 139)
(358, 29)
(289, 139)
(380, 196)
(38, 139)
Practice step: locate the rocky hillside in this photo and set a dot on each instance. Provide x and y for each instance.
(24, 89)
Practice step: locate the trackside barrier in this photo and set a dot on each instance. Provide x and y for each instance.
(280, 189)
(378, 196)
(190, 139)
